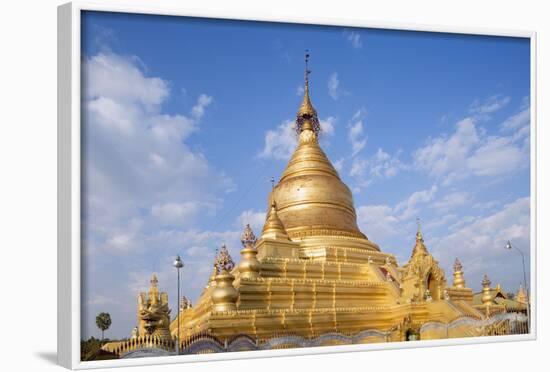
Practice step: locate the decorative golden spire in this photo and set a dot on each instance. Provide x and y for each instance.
(419, 231)
(248, 239)
(419, 247)
(311, 198)
(154, 290)
(273, 228)
(486, 298)
(154, 281)
(224, 296)
(224, 262)
(521, 296)
(486, 282)
(306, 119)
(249, 267)
(458, 281)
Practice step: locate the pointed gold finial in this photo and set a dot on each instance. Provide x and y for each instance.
(521, 296)
(419, 247)
(486, 282)
(153, 289)
(307, 72)
(458, 275)
(273, 228)
(306, 119)
(486, 297)
(154, 281)
(419, 230)
(249, 267)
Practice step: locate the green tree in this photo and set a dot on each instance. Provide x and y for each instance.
(103, 322)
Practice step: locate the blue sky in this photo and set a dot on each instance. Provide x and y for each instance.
(185, 121)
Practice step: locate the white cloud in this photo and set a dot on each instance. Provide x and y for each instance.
(488, 106)
(452, 200)
(365, 169)
(443, 155)
(381, 165)
(327, 126)
(335, 91)
(281, 142)
(256, 219)
(469, 151)
(179, 213)
(440, 221)
(408, 208)
(140, 175)
(498, 155)
(378, 221)
(384, 165)
(354, 38)
(300, 90)
(517, 121)
(121, 80)
(384, 223)
(121, 242)
(356, 133)
(333, 84)
(479, 243)
(202, 103)
(339, 164)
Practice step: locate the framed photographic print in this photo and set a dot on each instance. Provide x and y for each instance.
(235, 187)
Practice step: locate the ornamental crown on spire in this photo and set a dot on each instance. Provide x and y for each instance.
(457, 266)
(248, 239)
(486, 283)
(307, 115)
(223, 261)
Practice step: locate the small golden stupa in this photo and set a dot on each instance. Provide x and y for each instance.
(313, 272)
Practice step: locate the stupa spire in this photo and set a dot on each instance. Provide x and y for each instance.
(458, 275)
(419, 230)
(273, 228)
(486, 297)
(306, 118)
(521, 296)
(419, 247)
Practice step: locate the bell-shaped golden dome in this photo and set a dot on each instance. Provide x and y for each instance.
(311, 199)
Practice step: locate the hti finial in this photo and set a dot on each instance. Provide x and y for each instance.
(154, 280)
(457, 266)
(272, 180)
(418, 229)
(306, 117)
(248, 239)
(308, 71)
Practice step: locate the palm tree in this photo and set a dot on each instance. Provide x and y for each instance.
(103, 322)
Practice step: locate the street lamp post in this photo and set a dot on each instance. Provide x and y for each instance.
(178, 264)
(510, 246)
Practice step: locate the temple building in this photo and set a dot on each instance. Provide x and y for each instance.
(313, 272)
(314, 275)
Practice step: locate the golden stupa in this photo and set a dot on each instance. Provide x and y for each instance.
(313, 278)
(313, 272)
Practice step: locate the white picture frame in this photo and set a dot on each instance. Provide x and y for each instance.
(69, 187)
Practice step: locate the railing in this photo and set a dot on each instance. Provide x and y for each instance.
(203, 343)
(497, 325)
